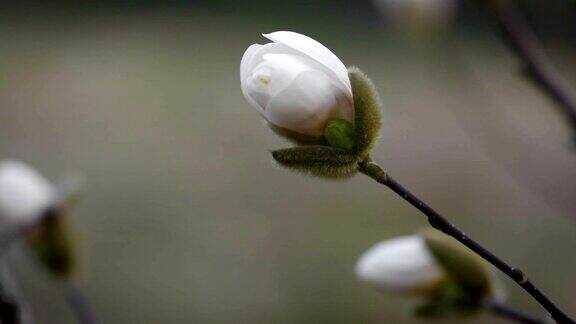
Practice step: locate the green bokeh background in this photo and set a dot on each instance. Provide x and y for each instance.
(185, 217)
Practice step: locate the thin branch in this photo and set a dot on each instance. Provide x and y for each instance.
(522, 40)
(440, 223)
(14, 308)
(507, 312)
(79, 304)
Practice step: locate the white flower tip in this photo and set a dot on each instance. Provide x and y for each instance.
(316, 51)
(24, 193)
(285, 33)
(402, 265)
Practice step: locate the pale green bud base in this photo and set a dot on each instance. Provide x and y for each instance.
(296, 138)
(469, 284)
(340, 133)
(343, 147)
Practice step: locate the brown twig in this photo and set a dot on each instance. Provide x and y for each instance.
(14, 308)
(440, 223)
(537, 68)
(79, 304)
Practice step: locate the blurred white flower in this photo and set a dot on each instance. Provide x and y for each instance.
(402, 265)
(420, 16)
(24, 195)
(296, 83)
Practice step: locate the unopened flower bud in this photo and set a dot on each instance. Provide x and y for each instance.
(24, 195)
(402, 265)
(30, 202)
(449, 278)
(297, 84)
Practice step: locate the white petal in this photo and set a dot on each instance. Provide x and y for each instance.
(269, 48)
(273, 75)
(253, 57)
(306, 105)
(246, 59)
(317, 52)
(286, 67)
(402, 265)
(24, 193)
(244, 70)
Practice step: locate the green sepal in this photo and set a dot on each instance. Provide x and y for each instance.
(367, 112)
(450, 301)
(52, 244)
(340, 133)
(318, 160)
(465, 268)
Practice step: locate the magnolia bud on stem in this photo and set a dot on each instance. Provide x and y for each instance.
(36, 209)
(372, 170)
(333, 115)
(449, 279)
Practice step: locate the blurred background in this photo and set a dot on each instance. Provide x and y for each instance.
(185, 217)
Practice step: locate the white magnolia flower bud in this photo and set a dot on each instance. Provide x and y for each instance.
(402, 265)
(296, 83)
(24, 194)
